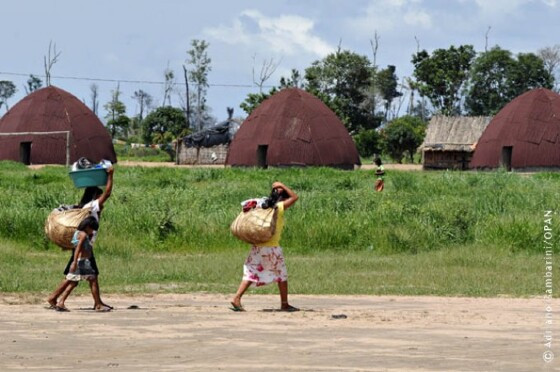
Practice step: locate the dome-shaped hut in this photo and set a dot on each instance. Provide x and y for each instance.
(51, 126)
(293, 128)
(523, 135)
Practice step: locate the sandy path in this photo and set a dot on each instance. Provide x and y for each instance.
(198, 332)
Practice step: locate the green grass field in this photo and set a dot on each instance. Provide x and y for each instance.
(167, 229)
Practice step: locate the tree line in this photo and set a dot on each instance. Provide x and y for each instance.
(152, 124)
(383, 113)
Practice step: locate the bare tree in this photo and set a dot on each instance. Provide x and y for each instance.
(94, 94)
(49, 60)
(200, 61)
(187, 103)
(374, 47)
(417, 44)
(169, 85)
(403, 87)
(551, 60)
(486, 38)
(144, 100)
(268, 68)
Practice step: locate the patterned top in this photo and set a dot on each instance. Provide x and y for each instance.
(87, 248)
(275, 240)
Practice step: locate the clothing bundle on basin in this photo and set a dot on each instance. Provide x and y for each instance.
(254, 224)
(84, 173)
(62, 224)
(85, 163)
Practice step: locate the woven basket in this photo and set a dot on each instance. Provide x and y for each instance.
(256, 226)
(61, 226)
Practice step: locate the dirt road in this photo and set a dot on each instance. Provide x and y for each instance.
(198, 332)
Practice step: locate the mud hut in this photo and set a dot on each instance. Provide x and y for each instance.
(524, 135)
(51, 126)
(293, 128)
(450, 141)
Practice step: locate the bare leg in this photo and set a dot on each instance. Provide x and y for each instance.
(98, 304)
(283, 287)
(245, 284)
(52, 299)
(65, 294)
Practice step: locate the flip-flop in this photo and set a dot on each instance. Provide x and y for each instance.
(104, 309)
(236, 308)
(290, 309)
(62, 309)
(50, 307)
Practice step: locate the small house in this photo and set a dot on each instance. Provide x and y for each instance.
(209, 146)
(450, 141)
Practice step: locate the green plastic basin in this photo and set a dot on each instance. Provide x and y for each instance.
(89, 177)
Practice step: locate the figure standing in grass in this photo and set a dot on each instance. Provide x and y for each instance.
(265, 264)
(81, 266)
(95, 199)
(379, 172)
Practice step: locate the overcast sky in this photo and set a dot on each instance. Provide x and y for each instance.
(138, 39)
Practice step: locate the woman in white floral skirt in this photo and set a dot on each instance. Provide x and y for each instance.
(265, 263)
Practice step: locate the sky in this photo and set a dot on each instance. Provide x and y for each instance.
(136, 40)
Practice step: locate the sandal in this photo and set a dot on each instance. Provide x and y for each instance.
(236, 308)
(62, 309)
(289, 309)
(103, 309)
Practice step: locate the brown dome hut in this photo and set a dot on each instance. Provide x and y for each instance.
(51, 126)
(293, 128)
(525, 134)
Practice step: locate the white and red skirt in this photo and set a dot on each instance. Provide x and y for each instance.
(265, 265)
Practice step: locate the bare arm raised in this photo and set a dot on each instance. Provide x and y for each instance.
(108, 189)
(292, 196)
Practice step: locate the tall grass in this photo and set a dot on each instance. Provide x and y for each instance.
(189, 210)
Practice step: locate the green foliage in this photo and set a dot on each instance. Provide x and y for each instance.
(385, 82)
(403, 135)
(198, 58)
(497, 78)
(341, 80)
(117, 121)
(7, 90)
(441, 76)
(253, 100)
(368, 142)
(33, 83)
(163, 125)
(126, 152)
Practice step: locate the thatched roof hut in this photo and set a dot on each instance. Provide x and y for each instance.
(451, 140)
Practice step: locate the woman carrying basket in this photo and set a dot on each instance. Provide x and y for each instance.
(265, 263)
(93, 198)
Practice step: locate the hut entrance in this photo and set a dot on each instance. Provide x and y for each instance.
(261, 156)
(506, 157)
(25, 152)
